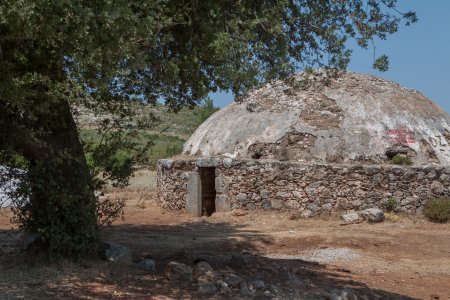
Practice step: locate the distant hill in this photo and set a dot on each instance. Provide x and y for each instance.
(168, 133)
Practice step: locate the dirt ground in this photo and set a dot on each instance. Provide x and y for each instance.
(401, 258)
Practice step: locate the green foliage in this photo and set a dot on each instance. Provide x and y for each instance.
(108, 55)
(114, 153)
(205, 111)
(152, 147)
(13, 160)
(381, 63)
(391, 204)
(437, 210)
(173, 150)
(399, 159)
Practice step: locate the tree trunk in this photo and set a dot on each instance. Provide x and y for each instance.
(62, 207)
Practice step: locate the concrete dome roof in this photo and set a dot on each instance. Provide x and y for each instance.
(353, 118)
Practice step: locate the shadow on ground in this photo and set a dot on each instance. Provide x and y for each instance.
(229, 249)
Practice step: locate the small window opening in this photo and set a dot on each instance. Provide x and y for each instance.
(207, 178)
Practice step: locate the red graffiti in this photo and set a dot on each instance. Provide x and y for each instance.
(402, 136)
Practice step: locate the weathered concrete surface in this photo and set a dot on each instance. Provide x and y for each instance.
(193, 197)
(355, 118)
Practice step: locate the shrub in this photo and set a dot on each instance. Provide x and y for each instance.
(391, 204)
(438, 210)
(399, 159)
(172, 150)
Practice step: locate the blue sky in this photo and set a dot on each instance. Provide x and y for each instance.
(419, 54)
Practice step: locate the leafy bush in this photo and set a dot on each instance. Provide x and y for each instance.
(391, 204)
(399, 159)
(438, 210)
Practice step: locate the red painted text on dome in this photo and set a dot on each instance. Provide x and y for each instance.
(403, 136)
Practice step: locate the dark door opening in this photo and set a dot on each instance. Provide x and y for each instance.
(207, 179)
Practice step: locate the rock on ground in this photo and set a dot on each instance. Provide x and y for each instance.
(207, 288)
(117, 253)
(233, 280)
(178, 271)
(344, 294)
(351, 216)
(147, 264)
(201, 268)
(373, 215)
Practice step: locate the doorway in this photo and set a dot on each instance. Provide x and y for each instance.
(208, 193)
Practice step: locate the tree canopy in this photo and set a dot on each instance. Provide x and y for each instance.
(106, 53)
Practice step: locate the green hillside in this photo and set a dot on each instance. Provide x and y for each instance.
(168, 133)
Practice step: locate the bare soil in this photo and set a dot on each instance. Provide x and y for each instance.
(401, 258)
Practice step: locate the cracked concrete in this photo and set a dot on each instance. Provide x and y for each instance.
(355, 118)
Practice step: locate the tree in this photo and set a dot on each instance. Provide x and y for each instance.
(205, 110)
(107, 53)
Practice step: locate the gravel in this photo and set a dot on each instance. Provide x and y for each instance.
(321, 255)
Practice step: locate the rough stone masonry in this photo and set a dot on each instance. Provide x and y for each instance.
(318, 146)
(309, 188)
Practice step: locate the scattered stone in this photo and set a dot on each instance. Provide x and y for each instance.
(224, 287)
(351, 216)
(176, 271)
(117, 253)
(147, 264)
(258, 284)
(268, 294)
(207, 288)
(344, 294)
(233, 280)
(244, 289)
(201, 268)
(213, 259)
(373, 215)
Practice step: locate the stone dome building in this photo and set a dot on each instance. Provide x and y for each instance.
(355, 118)
(325, 146)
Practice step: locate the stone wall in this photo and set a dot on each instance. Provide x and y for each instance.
(309, 188)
